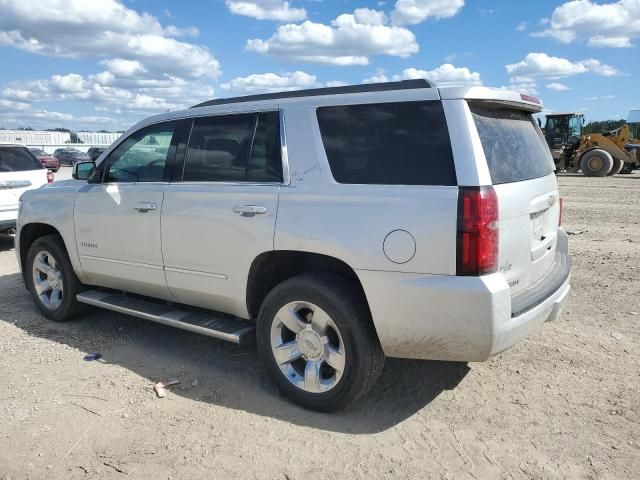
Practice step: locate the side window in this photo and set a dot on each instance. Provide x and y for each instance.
(143, 156)
(265, 161)
(218, 148)
(403, 143)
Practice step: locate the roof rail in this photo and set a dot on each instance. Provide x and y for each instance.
(370, 87)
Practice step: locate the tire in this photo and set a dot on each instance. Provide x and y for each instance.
(348, 341)
(596, 163)
(60, 307)
(627, 168)
(617, 166)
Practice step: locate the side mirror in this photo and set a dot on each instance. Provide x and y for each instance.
(83, 170)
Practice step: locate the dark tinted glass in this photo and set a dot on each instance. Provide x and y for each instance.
(265, 161)
(513, 144)
(17, 159)
(218, 148)
(388, 143)
(142, 157)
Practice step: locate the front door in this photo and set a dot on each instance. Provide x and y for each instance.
(221, 213)
(117, 221)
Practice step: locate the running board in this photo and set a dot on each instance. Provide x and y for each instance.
(212, 324)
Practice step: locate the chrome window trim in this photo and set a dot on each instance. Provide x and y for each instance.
(286, 175)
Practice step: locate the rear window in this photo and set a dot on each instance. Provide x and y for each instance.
(17, 159)
(512, 143)
(404, 143)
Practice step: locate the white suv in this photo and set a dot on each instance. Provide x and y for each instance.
(19, 171)
(334, 226)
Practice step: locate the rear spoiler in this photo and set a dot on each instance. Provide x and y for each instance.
(497, 96)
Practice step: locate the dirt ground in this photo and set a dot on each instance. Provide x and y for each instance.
(563, 404)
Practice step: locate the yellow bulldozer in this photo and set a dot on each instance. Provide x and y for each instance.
(597, 155)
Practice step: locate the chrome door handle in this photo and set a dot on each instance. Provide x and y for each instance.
(249, 210)
(144, 207)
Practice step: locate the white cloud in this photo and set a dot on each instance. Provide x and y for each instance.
(350, 40)
(604, 97)
(270, 82)
(546, 66)
(267, 10)
(613, 24)
(411, 12)
(124, 68)
(522, 26)
(445, 75)
(102, 29)
(558, 87)
(377, 78)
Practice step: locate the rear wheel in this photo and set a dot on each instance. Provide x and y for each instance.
(316, 339)
(51, 280)
(596, 163)
(617, 166)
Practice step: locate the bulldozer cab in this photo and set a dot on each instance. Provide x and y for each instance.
(563, 130)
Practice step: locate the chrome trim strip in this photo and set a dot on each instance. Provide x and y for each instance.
(121, 262)
(196, 272)
(286, 174)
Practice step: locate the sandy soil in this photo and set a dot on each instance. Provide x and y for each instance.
(563, 404)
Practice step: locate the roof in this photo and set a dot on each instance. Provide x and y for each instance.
(313, 92)
(564, 114)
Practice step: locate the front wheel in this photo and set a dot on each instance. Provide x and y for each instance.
(596, 163)
(316, 339)
(51, 280)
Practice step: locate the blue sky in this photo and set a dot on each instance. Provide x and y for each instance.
(105, 64)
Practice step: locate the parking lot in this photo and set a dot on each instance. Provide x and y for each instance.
(563, 403)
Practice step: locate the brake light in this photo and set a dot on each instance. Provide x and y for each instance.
(49, 176)
(477, 242)
(529, 98)
(560, 215)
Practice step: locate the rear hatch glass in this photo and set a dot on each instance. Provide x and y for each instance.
(18, 159)
(512, 143)
(521, 169)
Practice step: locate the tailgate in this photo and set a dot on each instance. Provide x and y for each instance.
(14, 184)
(528, 222)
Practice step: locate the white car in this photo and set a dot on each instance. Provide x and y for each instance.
(335, 227)
(19, 171)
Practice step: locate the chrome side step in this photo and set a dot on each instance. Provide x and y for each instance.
(213, 324)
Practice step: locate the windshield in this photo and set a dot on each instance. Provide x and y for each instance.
(512, 143)
(17, 159)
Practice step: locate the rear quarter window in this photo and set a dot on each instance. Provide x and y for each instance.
(404, 143)
(18, 159)
(512, 143)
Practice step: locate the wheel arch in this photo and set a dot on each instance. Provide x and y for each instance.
(29, 233)
(274, 267)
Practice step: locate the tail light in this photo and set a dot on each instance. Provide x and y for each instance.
(477, 242)
(560, 215)
(49, 176)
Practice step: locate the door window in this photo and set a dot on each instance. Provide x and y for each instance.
(218, 148)
(265, 162)
(142, 157)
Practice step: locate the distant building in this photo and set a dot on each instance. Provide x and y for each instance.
(34, 137)
(43, 138)
(97, 138)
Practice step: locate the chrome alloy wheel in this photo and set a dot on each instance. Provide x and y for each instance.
(47, 280)
(307, 346)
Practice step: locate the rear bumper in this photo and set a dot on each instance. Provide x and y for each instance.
(439, 317)
(8, 218)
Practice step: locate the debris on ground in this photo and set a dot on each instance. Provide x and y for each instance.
(575, 232)
(92, 356)
(162, 388)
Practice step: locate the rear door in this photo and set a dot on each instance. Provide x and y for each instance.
(521, 170)
(220, 212)
(19, 171)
